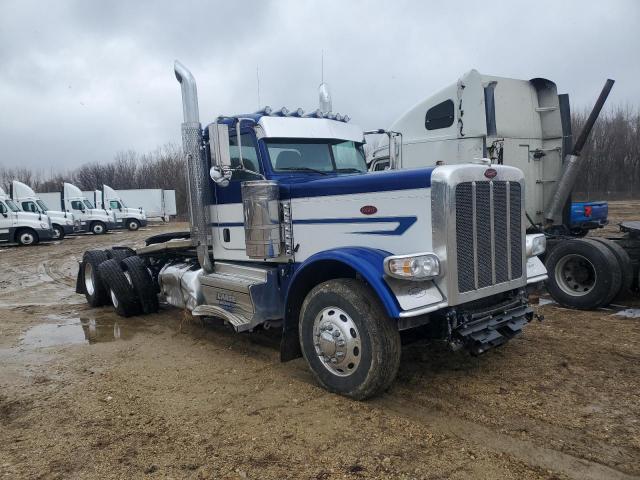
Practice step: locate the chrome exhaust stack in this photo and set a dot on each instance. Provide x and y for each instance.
(198, 188)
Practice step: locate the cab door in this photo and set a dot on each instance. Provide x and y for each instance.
(228, 216)
(5, 222)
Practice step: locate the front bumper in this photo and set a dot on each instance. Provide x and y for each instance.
(69, 229)
(111, 225)
(143, 222)
(44, 235)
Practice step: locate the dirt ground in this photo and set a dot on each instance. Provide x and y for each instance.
(87, 394)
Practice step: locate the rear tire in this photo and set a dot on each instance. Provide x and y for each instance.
(142, 283)
(26, 237)
(119, 253)
(133, 224)
(58, 232)
(98, 228)
(89, 279)
(624, 261)
(349, 342)
(583, 274)
(122, 295)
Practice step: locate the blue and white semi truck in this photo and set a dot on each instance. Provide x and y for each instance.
(288, 229)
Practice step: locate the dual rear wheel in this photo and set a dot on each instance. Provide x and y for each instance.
(588, 273)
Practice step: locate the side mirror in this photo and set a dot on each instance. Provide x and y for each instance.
(220, 154)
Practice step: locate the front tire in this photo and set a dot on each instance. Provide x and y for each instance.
(98, 228)
(349, 342)
(27, 237)
(133, 224)
(58, 232)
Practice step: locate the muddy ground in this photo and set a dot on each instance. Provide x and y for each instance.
(87, 394)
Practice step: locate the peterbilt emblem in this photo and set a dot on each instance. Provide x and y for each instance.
(368, 210)
(490, 173)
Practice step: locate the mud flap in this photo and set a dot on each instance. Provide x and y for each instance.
(482, 334)
(79, 282)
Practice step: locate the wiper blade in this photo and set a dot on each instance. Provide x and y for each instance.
(303, 169)
(349, 170)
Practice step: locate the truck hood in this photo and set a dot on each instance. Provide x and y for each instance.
(389, 180)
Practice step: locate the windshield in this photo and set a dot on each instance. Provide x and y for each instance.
(88, 204)
(42, 206)
(12, 205)
(319, 155)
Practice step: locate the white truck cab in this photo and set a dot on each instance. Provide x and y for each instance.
(62, 222)
(94, 220)
(20, 227)
(131, 218)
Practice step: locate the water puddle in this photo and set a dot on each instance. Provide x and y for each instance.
(76, 331)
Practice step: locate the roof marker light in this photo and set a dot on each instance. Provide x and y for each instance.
(284, 111)
(346, 118)
(298, 113)
(338, 117)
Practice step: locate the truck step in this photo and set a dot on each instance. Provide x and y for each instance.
(244, 295)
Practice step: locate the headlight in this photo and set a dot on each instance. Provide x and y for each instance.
(536, 244)
(422, 266)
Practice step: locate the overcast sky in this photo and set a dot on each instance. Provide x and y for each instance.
(82, 80)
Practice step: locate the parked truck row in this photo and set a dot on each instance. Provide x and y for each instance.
(289, 230)
(77, 214)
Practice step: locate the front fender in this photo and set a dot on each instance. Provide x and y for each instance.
(366, 262)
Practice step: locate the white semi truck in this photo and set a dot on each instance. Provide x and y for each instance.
(62, 222)
(126, 217)
(91, 219)
(525, 124)
(156, 203)
(23, 228)
(295, 233)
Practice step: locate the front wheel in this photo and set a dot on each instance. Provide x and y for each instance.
(98, 228)
(58, 232)
(350, 344)
(133, 224)
(27, 237)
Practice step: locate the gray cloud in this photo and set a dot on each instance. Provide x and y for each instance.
(81, 80)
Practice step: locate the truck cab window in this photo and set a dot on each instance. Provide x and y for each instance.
(43, 207)
(3, 209)
(88, 204)
(77, 205)
(440, 116)
(12, 205)
(319, 155)
(115, 205)
(29, 207)
(249, 156)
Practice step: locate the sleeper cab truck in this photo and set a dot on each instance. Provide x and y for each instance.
(290, 230)
(62, 222)
(126, 217)
(525, 124)
(23, 228)
(95, 220)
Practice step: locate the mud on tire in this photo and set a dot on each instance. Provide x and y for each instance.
(142, 283)
(89, 281)
(352, 302)
(122, 295)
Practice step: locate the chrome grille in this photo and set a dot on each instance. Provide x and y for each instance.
(488, 233)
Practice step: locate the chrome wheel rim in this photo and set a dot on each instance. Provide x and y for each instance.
(114, 299)
(56, 233)
(575, 275)
(88, 278)
(133, 226)
(98, 229)
(26, 238)
(337, 341)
